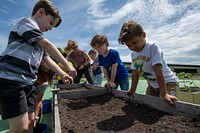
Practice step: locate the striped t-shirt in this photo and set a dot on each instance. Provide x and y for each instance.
(21, 59)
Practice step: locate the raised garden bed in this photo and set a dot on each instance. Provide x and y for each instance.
(192, 95)
(86, 109)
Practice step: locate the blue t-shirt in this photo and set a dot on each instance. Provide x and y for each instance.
(112, 58)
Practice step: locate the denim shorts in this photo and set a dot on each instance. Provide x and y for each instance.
(16, 98)
(98, 79)
(124, 84)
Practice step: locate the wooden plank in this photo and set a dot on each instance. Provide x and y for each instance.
(91, 86)
(56, 117)
(70, 86)
(77, 94)
(180, 108)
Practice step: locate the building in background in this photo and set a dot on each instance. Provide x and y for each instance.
(191, 69)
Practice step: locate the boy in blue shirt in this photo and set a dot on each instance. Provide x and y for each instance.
(113, 68)
(20, 61)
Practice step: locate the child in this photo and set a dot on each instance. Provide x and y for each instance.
(45, 78)
(148, 61)
(81, 61)
(66, 53)
(97, 72)
(19, 63)
(113, 68)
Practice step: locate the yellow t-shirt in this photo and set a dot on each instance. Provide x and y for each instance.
(64, 69)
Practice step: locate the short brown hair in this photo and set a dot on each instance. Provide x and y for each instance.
(99, 39)
(130, 29)
(49, 9)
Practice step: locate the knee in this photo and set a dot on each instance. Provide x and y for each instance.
(19, 130)
(24, 130)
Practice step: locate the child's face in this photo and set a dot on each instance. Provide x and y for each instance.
(92, 56)
(136, 43)
(46, 22)
(101, 49)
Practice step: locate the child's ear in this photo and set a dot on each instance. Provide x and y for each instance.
(41, 11)
(144, 34)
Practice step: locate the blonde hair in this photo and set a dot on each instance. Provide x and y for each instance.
(99, 39)
(71, 43)
(130, 29)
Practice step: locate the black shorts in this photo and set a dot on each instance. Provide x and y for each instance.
(16, 98)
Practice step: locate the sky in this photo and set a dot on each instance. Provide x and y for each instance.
(174, 25)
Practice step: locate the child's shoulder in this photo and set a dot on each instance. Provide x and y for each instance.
(113, 51)
(25, 22)
(151, 44)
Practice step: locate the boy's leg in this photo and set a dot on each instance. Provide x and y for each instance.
(98, 79)
(19, 124)
(124, 84)
(16, 100)
(172, 88)
(152, 91)
(38, 110)
(31, 117)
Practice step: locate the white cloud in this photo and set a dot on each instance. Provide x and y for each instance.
(4, 11)
(173, 25)
(12, 1)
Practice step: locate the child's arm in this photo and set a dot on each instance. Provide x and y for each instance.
(134, 83)
(113, 75)
(54, 67)
(160, 79)
(55, 53)
(95, 67)
(162, 85)
(105, 74)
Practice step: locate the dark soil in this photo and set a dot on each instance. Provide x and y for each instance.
(106, 113)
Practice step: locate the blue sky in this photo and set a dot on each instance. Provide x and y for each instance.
(173, 24)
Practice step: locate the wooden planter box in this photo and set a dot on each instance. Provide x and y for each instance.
(191, 97)
(75, 91)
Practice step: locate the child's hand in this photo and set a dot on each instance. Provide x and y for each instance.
(81, 67)
(111, 84)
(130, 91)
(67, 79)
(169, 99)
(72, 72)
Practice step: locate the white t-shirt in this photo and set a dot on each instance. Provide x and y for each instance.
(144, 61)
